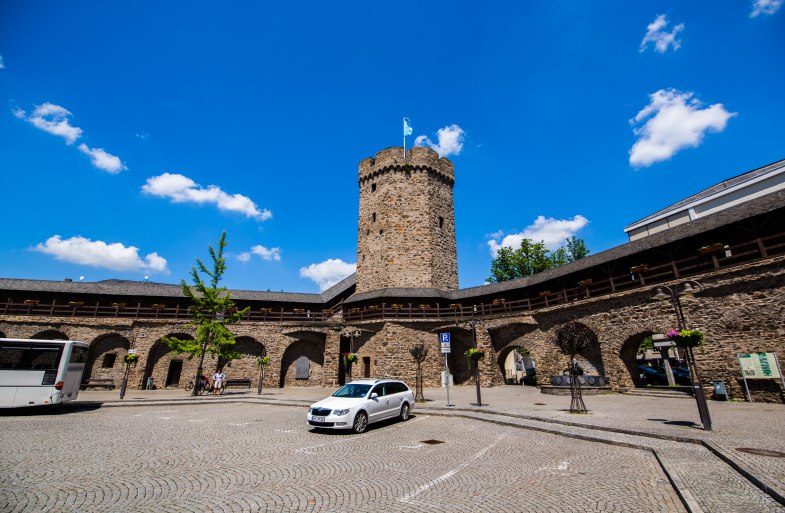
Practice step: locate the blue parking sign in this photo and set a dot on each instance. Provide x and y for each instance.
(444, 337)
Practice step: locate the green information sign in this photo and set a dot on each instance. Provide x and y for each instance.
(759, 366)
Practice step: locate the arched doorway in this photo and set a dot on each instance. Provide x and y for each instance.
(105, 357)
(50, 335)
(243, 367)
(517, 365)
(461, 340)
(629, 355)
(167, 370)
(302, 363)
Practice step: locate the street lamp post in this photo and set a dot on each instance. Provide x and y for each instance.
(473, 325)
(687, 288)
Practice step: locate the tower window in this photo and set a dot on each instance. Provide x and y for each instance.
(373, 217)
(373, 187)
(441, 222)
(109, 360)
(381, 232)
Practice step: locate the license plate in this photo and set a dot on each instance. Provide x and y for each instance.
(317, 419)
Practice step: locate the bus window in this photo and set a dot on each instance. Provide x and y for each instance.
(30, 357)
(78, 355)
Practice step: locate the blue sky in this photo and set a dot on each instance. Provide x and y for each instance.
(133, 133)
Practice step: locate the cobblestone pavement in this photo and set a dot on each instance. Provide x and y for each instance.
(613, 418)
(232, 457)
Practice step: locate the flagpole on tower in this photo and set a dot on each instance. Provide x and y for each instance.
(407, 130)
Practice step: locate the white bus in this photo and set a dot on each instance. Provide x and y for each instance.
(37, 372)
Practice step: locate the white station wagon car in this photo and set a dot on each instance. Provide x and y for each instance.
(362, 402)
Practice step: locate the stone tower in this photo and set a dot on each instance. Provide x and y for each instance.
(406, 232)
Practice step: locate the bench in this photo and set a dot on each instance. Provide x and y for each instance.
(98, 382)
(240, 382)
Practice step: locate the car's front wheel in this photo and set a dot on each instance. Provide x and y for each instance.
(405, 412)
(360, 422)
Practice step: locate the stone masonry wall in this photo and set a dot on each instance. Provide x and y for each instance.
(741, 310)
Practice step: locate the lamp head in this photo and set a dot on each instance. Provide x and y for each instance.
(687, 290)
(660, 294)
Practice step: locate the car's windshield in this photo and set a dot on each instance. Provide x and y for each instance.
(352, 391)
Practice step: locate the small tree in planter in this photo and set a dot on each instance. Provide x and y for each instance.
(572, 338)
(419, 352)
(261, 363)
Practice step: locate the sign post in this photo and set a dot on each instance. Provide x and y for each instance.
(444, 342)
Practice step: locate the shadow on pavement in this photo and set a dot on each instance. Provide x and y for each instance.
(55, 409)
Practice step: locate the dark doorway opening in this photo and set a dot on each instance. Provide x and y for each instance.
(173, 376)
(366, 366)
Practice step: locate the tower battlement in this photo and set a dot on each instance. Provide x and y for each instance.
(418, 158)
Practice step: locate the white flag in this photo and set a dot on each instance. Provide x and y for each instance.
(407, 129)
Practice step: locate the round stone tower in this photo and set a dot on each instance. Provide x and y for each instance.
(406, 232)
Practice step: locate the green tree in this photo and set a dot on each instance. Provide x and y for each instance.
(211, 309)
(533, 257)
(577, 248)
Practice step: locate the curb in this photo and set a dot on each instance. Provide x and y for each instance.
(745, 471)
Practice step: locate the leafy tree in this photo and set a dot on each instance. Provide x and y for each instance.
(533, 257)
(577, 248)
(646, 343)
(211, 309)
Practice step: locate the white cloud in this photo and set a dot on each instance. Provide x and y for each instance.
(553, 232)
(181, 189)
(52, 119)
(673, 121)
(2, 64)
(450, 140)
(328, 273)
(114, 256)
(103, 160)
(262, 252)
(661, 38)
(764, 7)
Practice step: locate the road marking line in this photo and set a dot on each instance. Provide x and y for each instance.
(197, 420)
(444, 477)
(243, 424)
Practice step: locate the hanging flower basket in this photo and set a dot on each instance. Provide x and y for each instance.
(475, 355)
(686, 337)
(262, 361)
(131, 359)
(350, 358)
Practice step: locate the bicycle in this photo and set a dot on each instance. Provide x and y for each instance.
(202, 386)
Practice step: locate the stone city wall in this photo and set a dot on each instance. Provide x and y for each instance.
(740, 311)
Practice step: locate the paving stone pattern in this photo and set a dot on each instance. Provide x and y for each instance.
(233, 457)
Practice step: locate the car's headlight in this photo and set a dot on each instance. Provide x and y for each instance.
(340, 413)
(310, 410)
